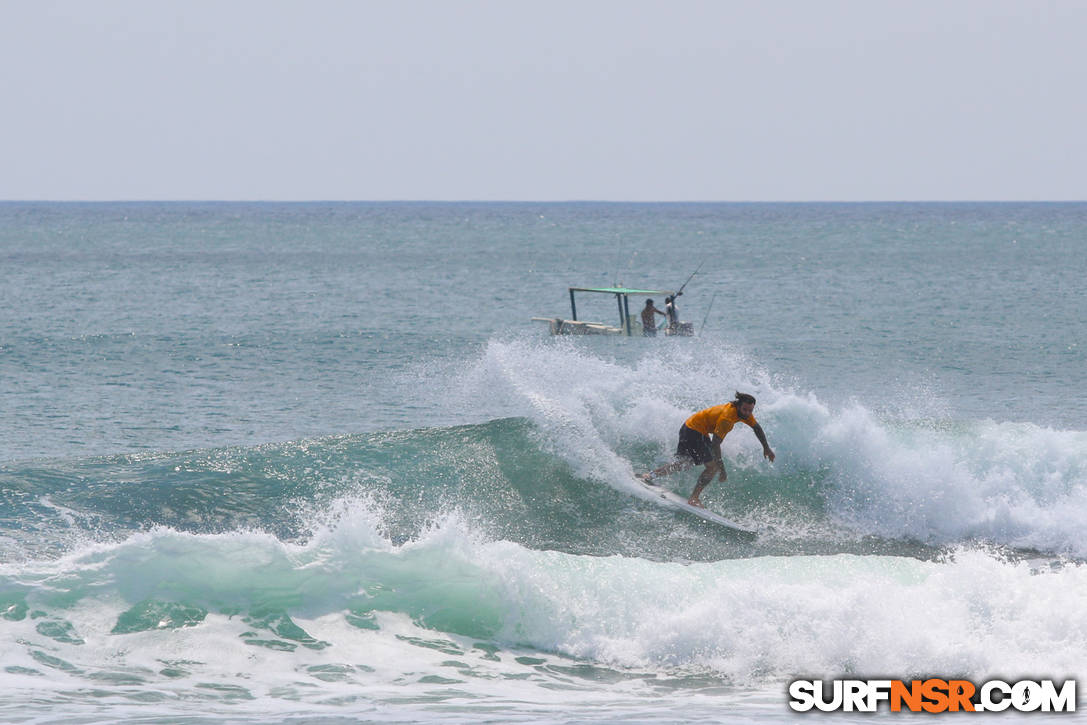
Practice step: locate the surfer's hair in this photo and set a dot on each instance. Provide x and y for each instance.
(742, 398)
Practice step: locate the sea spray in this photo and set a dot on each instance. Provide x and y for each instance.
(912, 474)
(748, 622)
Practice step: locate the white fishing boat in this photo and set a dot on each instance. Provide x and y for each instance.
(628, 324)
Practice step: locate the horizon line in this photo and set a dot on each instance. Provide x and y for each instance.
(539, 201)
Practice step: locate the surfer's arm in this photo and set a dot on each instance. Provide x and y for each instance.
(766, 451)
(715, 449)
(715, 446)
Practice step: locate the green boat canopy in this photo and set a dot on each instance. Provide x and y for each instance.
(622, 290)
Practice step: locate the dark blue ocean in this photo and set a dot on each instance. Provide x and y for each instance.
(286, 463)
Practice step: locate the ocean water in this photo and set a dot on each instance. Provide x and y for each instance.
(314, 463)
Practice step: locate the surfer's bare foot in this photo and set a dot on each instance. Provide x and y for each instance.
(646, 477)
(692, 501)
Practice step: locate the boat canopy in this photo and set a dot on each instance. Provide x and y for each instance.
(560, 326)
(622, 290)
(622, 296)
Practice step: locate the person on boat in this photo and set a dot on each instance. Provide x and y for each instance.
(649, 322)
(672, 313)
(700, 441)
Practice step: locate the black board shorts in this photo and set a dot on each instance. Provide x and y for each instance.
(694, 445)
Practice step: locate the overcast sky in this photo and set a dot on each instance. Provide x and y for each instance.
(544, 100)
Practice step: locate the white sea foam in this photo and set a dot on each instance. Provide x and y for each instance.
(917, 474)
(451, 611)
(427, 605)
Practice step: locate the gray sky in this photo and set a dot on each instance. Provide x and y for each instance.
(544, 100)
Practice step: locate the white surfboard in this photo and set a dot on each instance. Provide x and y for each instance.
(674, 500)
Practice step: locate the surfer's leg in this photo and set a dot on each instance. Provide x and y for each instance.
(692, 450)
(681, 464)
(704, 479)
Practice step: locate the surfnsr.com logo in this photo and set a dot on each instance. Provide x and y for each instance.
(933, 695)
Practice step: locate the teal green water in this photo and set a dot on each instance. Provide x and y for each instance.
(279, 462)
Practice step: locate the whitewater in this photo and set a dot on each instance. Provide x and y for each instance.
(261, 468)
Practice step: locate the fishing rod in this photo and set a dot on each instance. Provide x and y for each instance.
(677, 294)
(616, 282)
(618, 258)
(707, 315)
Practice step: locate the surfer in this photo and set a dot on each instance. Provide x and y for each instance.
(700, 441)
(649, 322)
